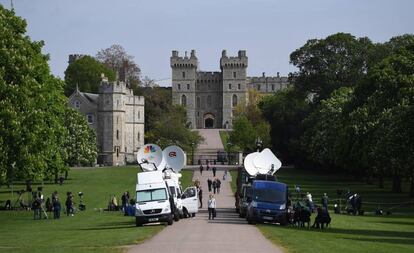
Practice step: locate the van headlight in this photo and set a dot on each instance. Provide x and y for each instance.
(282, 207)
(138, 211)
(167, 209)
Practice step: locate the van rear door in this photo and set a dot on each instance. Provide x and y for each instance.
(190, 202)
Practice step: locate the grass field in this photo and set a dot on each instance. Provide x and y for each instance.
(89, 231)
(224, 135)
(368, 233)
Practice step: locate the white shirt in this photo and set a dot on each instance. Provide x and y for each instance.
(212, 203)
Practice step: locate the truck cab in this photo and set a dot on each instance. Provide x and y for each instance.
(268, 202)
(154, 202)
(175, 192)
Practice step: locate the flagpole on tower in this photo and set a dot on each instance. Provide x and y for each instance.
(11, 5)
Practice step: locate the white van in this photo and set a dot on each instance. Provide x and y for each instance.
(153, 199)
(175, 192)
(189, 201)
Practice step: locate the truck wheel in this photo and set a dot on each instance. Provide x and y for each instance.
(176, 216)
(170, 220)
(138, 223)
(185, 213)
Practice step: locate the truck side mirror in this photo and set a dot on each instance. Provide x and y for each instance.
(183, 196)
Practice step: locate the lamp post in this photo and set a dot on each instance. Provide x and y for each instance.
(229, 144)
(259, 144)
(192, 153)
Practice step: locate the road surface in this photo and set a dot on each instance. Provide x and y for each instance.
(227, 233)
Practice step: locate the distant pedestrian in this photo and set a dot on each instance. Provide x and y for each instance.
(69, 204)
(124, 202)
(209, 183)
(36, 206)
(201, 169)
(56, 206)
(309, 201)
(211, 207)
(325, 201)
(214, 171)
(214, 186)
(208, 166)
(200, 197)
(218, 185)
(225, 175)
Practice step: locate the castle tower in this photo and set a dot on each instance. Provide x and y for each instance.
(111, 119)
(234, 84)
(184, 74)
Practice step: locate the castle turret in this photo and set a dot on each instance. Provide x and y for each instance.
(184, 75)
(234, 84)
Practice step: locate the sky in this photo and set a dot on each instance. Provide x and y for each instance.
(269, 30)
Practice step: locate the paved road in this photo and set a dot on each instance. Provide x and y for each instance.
(227, 233)
(212, 140)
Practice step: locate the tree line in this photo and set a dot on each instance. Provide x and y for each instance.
(350, 108)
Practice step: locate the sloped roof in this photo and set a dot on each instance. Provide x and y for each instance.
(93, 98)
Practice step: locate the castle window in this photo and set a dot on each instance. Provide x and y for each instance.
(234, 74)
(258, 87)
(117, 134)
(139, 136)
(198, 102)
(117, 152)
(183, 100)
(208, 101)
(89, 117)
(238, 86)
(117, 119)
(188, 86)
(179, 86)
(234, 102)
(229, 86)
(273, 87)
(126, 149)
(183, 74)
(77, 104)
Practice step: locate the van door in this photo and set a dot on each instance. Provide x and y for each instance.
(191, 199)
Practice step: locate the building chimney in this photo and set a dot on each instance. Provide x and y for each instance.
(263, 74)
(278, 74)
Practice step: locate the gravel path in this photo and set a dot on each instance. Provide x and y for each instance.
(226, 233)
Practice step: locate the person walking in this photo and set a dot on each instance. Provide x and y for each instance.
(200, 197)
(214, 171)
(36, 206)
(218, 185)
(211, 207)
(201, 169)
(325, 201)
(209, 183)
(225, 175)
(214, 186)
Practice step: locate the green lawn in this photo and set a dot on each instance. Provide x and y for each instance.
(347, 233)
(89, 231)
(224, 135)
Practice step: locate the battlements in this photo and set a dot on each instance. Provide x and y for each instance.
(74, 57)
(177, 61)
(239, 61)
(114, 87)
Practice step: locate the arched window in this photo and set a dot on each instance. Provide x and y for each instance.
(198, 102)
(179, 86)
(238, 86)
(208, 100)
(183, 100)
(234, 102)
(188, 86)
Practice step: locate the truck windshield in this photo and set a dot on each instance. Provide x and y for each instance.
(151, 195)
(269, 192)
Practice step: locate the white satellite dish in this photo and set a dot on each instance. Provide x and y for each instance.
(266, 162)
(248, 164)
(148, 156)
(174, 157)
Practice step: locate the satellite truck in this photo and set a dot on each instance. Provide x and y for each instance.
(158, 190)
(260, 198)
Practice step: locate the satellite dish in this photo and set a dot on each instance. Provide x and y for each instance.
(248, 164)
(174, 157)
(148, 156)
(266, 162)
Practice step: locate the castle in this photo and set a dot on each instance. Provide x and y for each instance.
(118, 118)
(210, 98)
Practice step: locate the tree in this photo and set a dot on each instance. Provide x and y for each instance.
(285, 111)
(32, 106)
(81, 140)
(86, 74)
(339, 60)
(116, 58)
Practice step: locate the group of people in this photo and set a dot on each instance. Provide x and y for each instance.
(42, 208)
(126, 203)
(214, 169)
(214, 185)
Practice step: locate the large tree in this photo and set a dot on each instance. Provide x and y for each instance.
(32, 106)
(116, 58)
(326, 64)
(86, 74)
